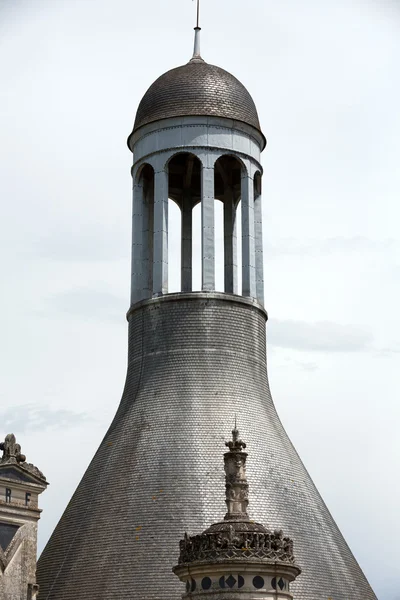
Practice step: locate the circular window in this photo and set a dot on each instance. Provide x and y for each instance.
(206, 583)
(240, 581)
(258, 582)
(193, 586)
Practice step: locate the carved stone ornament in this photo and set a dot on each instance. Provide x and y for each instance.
(12, 456)
(236, 538)
(219, 546)
(236, 486)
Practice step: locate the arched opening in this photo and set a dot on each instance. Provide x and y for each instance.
(258, 238)
(147, 178)
(257, 185)
(196, 248)
(219, 246)
(174, 246)
(227, 186)
(184, 188)
(142, 234)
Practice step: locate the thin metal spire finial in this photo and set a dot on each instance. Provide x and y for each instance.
(198, 15)
(197, 29)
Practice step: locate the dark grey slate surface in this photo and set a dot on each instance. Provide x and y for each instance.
(197, 88)
(7, 532)
(194, 361)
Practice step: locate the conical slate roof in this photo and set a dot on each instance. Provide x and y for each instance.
(197, 88)
(195, 360)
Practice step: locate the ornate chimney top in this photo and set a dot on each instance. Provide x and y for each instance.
(237, 553)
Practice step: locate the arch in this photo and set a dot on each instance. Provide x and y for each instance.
(258, 237)
(229, 171)
(141, 170)
(196, 248)
(174, 247)
(184, 177)
(142, 233)
(257, 184)
(184, 188)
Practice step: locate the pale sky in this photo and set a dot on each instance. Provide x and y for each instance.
(325, 78)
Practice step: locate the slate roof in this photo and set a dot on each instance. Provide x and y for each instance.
(195, 360)
(197, 88)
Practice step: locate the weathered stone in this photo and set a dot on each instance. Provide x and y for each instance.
(20, 486)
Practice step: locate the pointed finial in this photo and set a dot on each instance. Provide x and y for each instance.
(236, 445)
(11, 450)
(196, 51)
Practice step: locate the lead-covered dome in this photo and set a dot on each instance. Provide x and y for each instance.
(197, 88)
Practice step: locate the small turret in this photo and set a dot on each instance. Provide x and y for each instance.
(237, 554)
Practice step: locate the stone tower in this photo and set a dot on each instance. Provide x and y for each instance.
(20, 486)
(237, 556)
(195, 359)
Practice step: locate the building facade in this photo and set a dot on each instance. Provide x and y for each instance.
(21, 483)
(196, 358)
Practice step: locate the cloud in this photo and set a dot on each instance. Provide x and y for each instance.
(89, 304)
(29, 416)
(322, 336)
(84, 244)
(305, 365)
(291, 246)
(384, 353)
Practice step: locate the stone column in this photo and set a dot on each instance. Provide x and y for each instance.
(248, 248)
(207, 230)
(230, 243)
(186, 245)
(160, 239)
(137, 244)
(258, 233)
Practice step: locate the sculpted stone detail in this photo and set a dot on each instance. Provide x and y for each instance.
(12, 456)
(236, 538)
(233, 545)
(236, 486)
(11, 451)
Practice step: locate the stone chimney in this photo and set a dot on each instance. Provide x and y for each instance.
(237, 557)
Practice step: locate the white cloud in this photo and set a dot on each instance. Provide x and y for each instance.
(358, 244)
(87, 303)
(25, 417)
(322, 336)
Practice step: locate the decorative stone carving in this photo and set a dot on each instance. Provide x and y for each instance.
(11, 450)
(12, 456)
(236, 486)
(265, 558)
(232, 545)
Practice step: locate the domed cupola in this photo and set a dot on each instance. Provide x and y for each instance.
(196, 140)
(197, 88)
